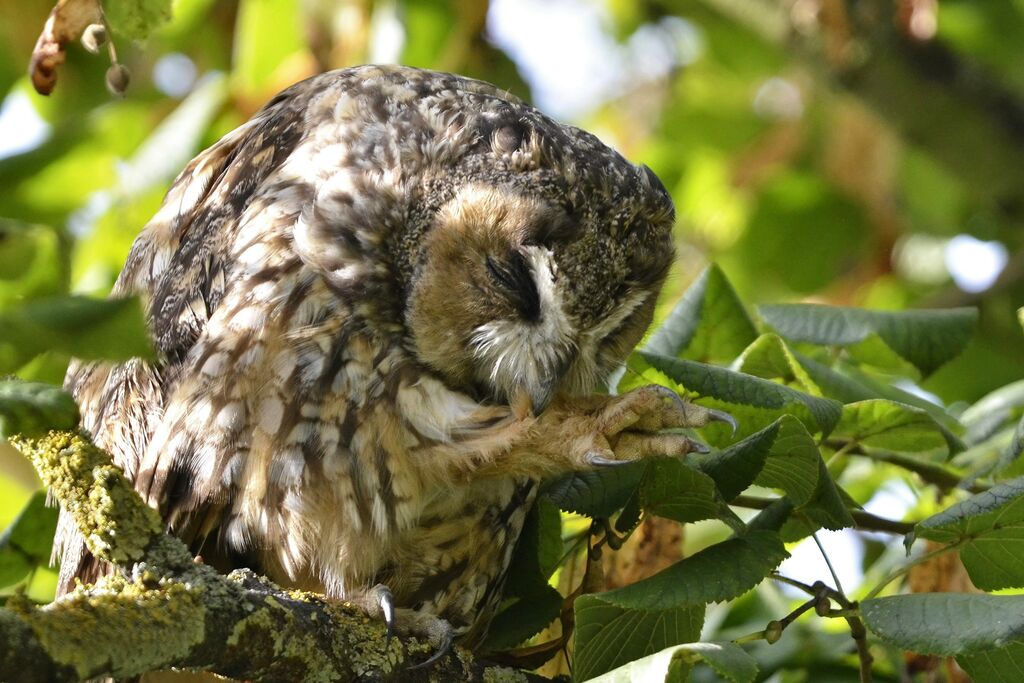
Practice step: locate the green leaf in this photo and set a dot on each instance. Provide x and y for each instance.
(523, 618)
(833, 383)
(946, 624)
(990, 526)
(534, 604)
(735, 390)
(793, 463)
(826, 508)
(734, 468)
(719, 572)
(773, 517)
(629, 516)
(768, 357)
(1001, 665)
(873, 351)
(879, 423)
(608, 636)
(537, 552)
(1015, 448)
(674, 490)
(26, 543)
(32, 531)
(925, 338)
(14, 566)
(728, 660)
(549, 536)
(883, 389)
(91, 329)
(708, 324)
(992, 411)
(596, 493)
(136, 19)
(32, 407)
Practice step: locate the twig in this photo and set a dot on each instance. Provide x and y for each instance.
(773, 631)
(850, 612)
(943, 477)
(865, 520)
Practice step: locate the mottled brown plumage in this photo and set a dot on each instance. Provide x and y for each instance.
(381, 309)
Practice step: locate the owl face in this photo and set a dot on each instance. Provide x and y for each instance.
(500, 306)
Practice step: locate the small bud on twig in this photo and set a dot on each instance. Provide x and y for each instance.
(94, 37)
(118, 77)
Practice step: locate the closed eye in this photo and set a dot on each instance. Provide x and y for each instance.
(514, 277)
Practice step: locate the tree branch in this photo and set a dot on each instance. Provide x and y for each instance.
(865, 520)
(164, 609)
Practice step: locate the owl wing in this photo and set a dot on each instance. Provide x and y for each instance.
(181, 265)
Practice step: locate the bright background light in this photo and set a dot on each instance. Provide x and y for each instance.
(975, 265)
(572, 62)
(174, 74)
(21, 127)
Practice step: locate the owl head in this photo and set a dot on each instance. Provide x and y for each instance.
(539, 270)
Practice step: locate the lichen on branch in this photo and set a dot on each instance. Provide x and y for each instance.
(163, 609)
(116, 524)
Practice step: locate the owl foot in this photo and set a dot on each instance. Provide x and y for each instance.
(435, 630)
(427, 627)
(607, 431)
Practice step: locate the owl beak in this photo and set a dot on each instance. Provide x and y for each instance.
(531, 400)
(541, 395)
(544, 390)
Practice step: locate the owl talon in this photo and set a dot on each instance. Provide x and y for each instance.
(665, 392)
(381, 594)
(598, 459)
(722, 416)
(441, 634)
(699, 447)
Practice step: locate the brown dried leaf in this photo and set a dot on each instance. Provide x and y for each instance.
(655, 545)
(66, 23)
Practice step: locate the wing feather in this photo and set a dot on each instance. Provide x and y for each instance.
(180, 264)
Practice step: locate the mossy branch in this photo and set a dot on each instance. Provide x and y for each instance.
(165, 610)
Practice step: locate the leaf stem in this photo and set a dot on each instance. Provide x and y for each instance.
(749, 638)
(828, 563)
(841, 451)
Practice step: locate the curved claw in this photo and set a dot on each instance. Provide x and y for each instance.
(700, 446)
(598, 459)
(386, 601)
(446, 637)
(722, 416)
(669, 394)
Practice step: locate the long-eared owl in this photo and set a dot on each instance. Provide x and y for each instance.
(382, 308)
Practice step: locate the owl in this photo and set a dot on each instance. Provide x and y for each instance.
(382, 309)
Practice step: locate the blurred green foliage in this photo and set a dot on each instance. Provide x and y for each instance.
(818, 152)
